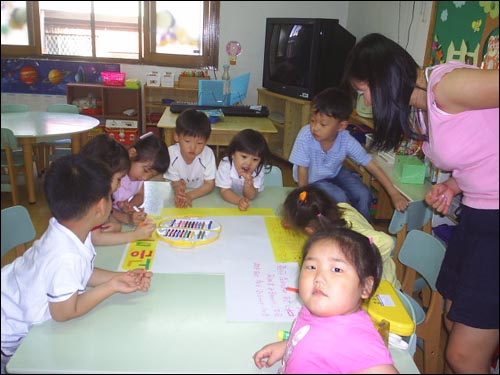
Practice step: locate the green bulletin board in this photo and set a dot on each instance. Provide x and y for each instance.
(461, 30)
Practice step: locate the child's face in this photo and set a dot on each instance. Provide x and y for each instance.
(363, 88)
(190, 146)
(328, 284)
(141, 171)
(325, 128)
(245, 163)
(116, 180)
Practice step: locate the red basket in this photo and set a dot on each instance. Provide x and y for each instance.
(113, 78)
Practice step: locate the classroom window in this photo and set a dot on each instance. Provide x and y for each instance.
(168, 33)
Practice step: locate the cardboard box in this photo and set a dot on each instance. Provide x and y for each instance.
(409, 169)
(190, 82)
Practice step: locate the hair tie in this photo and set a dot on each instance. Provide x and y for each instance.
(370, 240)
(145, 135)
(318, 215)
(303, 197)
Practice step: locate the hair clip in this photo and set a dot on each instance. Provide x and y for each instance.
(370, 240)
(318, 215)
(303, 197)
(145, 135)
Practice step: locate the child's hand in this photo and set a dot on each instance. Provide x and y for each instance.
(131, 281)
(137, 217)
(182, 200)
(399, 202)
(144, 231)
(248, 178)
(125, 206)
(243, 204)
(269, 354)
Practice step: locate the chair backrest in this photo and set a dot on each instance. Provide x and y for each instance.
(17, 228)
(62, 108)
(416, 216)
(8, 139)
(10, 108)
(423, 253)
(274, 177)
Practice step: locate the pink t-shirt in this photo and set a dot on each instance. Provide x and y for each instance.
(333, 345)
(466, 144)
(126, 190)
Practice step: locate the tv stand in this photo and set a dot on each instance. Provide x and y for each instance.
(288, 115)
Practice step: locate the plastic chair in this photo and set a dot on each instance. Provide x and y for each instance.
(417, 216)
(274, 177)
(11, 108)
(17, 230)
(423, 253)
(12, 164)
(58, 147)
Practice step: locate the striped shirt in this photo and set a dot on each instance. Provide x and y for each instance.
(307, 152)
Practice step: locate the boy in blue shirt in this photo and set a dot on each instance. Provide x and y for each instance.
(321, 147)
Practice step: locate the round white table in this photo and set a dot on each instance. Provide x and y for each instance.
(35, 127)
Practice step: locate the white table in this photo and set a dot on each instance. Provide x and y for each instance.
(35, 127)
(178, 326)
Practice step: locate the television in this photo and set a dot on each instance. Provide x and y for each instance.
(303, 56)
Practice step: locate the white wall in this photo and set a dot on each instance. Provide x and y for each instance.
(244, 21)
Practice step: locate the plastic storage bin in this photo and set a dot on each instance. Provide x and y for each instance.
(113, 78)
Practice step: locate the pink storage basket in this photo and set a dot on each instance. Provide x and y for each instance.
(113, 78)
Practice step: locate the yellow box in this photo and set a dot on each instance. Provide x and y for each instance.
(190, 82)
(386, 304)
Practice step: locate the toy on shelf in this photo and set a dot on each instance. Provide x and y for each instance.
(187, 232)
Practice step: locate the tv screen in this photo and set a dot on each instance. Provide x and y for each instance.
(289, 53)
(303, 56)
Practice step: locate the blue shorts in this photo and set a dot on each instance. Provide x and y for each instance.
(469, 273)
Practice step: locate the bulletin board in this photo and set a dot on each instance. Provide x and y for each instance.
(465, 31)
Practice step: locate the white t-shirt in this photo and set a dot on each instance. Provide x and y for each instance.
(202, 168)
(52, 270)
(227, 178)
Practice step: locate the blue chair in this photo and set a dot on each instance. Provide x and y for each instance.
(12, 164)
(417, 216)
(11, 108)
(17, 230)
(422, 253)
(273, 176)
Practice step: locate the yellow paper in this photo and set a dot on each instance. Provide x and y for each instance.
(287, 244)
(140, 255)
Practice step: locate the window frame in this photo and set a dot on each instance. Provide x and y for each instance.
(210, 41)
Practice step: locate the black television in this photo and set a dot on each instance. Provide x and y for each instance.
(303, 56)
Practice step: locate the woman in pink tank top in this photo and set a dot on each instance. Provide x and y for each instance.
(453, 109)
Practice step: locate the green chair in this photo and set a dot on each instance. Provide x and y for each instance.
(418, 215)
(273, 176)
(17, 230)
(423, 253)
(11, 108)
(12, 164)
(58, 147)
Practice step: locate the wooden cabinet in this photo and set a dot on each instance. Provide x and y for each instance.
(288, 115)
(154, 97)
(110, 101)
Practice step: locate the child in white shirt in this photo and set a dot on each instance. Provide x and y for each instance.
(192, 162)
(240, 175)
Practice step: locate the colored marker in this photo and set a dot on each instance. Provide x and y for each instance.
(291, 289)
(283, 334)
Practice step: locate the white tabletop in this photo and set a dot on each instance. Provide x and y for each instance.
(47, 124)
(178, 326)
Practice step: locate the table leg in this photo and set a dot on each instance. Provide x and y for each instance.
(28, 171)
(76, 143)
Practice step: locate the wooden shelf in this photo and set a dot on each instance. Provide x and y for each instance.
(113, 100)
(288, 115)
